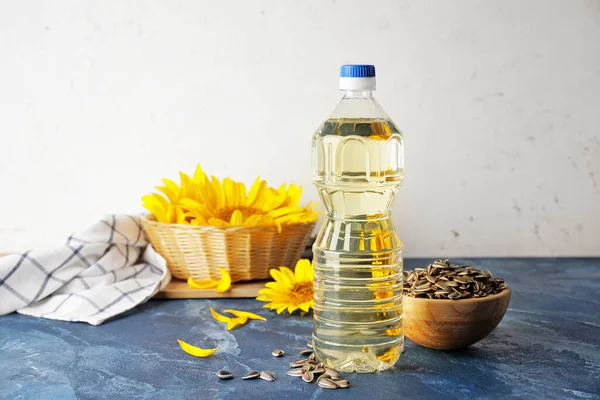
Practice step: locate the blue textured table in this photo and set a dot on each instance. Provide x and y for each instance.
(547, 346)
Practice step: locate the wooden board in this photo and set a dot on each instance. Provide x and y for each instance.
(178, 289)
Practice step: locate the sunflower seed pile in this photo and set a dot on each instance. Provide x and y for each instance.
(444, 280)
(310, 370)
(306, 368)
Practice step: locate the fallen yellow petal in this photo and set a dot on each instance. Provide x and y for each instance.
(233, 322)
(246, 314)
(219, 317)
(225, 282)
(196, 351)
(205, 284)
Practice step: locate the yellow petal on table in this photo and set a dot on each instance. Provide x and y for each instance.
(204, 284)
(246, 314)
(196, 351)
(225, 282)
(219, 317)
(233, 322)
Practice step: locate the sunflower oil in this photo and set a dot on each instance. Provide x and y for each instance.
(357, 169)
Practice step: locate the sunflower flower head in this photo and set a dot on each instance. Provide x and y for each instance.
(290, 291)
(200, 200)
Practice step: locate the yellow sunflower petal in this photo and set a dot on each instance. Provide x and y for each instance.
(291, 308)
(225, 282)
(218, 191)
(233, 322)
(196, 351)
(205, 284)
(305, 306)
(302, 270)
(246, 314)
(277, 275)
(289, 275)
(236, 218)
(199, 176)
(219, 317)
(213, 221)
(281, 309)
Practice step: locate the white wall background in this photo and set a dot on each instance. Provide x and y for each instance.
(499, 101)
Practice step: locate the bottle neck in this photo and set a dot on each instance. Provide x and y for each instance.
(358, 94)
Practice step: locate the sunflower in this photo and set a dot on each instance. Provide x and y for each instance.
(291, 291)
(199, 200)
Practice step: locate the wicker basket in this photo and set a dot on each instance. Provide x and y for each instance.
(246, 253)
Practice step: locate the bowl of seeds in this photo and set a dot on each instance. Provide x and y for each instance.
(450, 306)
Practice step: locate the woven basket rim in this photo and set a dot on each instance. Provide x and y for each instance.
(149, 218)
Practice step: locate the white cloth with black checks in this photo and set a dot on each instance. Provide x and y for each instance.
(98, 274)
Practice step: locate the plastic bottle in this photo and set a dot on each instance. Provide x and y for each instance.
(358, 257)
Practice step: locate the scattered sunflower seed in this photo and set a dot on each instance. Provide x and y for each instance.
(278, 353)
(343, 383)
(222, 374)
(318, 371)
(251, 375)
(333, 374)
(297, 372)
(308, 376)
(327, 383)
(312, 356)
(298, 363)
(267, 375)
(306, 352)
(307, 367)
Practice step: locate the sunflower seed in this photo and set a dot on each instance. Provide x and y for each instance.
(318, 371)
(308, 367)
(306, 352)
(309, 344)
(298, 363)
(323, 376)
(267, 375)
(222, 374)
(278, 353)
(308, 376)
(312, 357)
(295, 372)
(327, 383)
(343, 383)
(251, 375)
(333, 374)
(453, 296)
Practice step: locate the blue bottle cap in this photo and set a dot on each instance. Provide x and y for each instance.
(357, 71)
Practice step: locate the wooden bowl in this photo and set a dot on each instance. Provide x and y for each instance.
(452, 324)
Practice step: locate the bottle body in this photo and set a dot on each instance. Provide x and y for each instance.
(358, 260)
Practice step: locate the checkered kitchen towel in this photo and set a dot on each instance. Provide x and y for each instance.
(96, 275)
